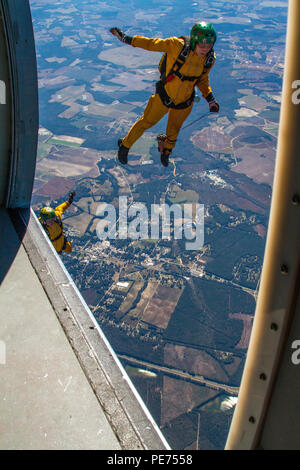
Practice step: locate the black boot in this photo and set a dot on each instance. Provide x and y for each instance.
(164, 157)
(122, 153)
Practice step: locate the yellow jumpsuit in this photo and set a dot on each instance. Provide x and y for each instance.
(56, 233)
(179, 91)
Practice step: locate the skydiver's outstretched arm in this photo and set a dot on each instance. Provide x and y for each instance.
(62, 207)
(172, 44)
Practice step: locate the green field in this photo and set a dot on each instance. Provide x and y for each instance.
(180, 196)
(54, 141)
(43, 150)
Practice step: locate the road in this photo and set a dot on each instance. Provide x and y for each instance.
(199, 379)
(193, 272)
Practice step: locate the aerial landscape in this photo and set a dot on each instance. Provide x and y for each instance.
(179, 319)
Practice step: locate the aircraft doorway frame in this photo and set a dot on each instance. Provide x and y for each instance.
(18, 104)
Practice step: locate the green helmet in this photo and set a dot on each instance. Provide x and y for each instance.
(203, 33)
(47, 213)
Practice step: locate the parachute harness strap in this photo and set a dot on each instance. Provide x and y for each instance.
(163, 137)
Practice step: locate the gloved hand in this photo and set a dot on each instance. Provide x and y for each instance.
(213, 104)
(120, 35)
(214, 107)
(71, 197)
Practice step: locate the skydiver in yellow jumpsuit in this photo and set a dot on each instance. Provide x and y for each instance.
(51, 220)
(175, 94)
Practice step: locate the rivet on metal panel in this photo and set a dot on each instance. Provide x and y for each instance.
(296, 199)
(284, 269)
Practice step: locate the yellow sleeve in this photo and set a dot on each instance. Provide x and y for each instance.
(62, 207)
(203, 82)
(173, 44)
